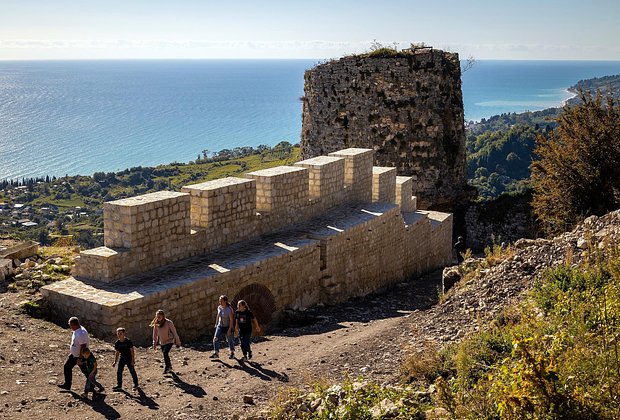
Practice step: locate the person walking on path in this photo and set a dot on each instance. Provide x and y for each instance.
(164, 334)
(90, 362)
(126, 353)
(460, 249)
(244, 320)
(79, 341)
(224, 323)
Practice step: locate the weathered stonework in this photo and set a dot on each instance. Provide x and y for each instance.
(408, 108)
(20, 251)
(502, 220)
(286, 237)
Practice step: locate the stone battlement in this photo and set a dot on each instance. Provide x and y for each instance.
(153, 230)
(322, 230)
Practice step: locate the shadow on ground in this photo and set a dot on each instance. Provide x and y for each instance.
(142, 399)
(195, 390)
(98, 404)
(418, 293)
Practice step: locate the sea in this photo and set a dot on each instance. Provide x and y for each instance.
(79, 117)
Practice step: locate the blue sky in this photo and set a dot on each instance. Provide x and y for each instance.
(484, 29)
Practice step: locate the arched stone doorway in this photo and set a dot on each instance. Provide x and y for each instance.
(260, 299)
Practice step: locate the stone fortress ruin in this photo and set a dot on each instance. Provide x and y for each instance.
(405, 105)
(320, 231)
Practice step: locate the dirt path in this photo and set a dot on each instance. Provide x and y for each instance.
(362, 337)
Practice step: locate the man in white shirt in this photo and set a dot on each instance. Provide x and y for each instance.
(79, 341)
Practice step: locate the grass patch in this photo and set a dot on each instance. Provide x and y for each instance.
(34, 308)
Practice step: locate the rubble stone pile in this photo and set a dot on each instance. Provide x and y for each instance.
(474, 302)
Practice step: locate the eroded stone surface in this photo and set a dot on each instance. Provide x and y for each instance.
(408, 109)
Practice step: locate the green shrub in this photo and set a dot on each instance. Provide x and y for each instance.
(33, 308)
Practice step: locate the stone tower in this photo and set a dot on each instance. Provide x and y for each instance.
(406, 105)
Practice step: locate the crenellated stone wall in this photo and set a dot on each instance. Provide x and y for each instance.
(322, 230)
(407, 107)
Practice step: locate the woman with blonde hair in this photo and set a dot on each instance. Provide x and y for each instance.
(164, 334)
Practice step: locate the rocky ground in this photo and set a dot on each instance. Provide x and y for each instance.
(367, 337)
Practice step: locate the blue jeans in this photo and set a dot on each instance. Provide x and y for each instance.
(244, 340)
(119, 372)
(165, 349)
(221, 333)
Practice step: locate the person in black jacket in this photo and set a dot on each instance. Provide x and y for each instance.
(460, 249)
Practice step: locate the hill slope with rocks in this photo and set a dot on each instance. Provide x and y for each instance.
(477, 300)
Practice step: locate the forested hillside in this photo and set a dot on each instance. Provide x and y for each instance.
(500, 148)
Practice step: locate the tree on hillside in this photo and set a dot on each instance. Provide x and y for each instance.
(577, 173)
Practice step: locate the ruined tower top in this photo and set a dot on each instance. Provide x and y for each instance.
(406, 105)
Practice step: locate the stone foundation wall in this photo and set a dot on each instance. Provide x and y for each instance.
(364, 258)
(408, 108)
(191, 304)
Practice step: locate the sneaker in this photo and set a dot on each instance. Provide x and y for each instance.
(167, 370)
(231, 356)
(244, 359)
(250, 355)
(135, 387)
(214, 355)
(117, 388)
(64, 386)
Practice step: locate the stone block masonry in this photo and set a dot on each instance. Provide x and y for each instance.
(280, 189)
(404, 198)
(221, 202)
(287, 237)
(325, 176)
(383, 184)
(357, 172)
(407, 107)
(140, 233)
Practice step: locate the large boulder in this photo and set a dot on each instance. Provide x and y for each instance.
(450, 276)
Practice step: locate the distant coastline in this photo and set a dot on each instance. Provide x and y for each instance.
(573, 95)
